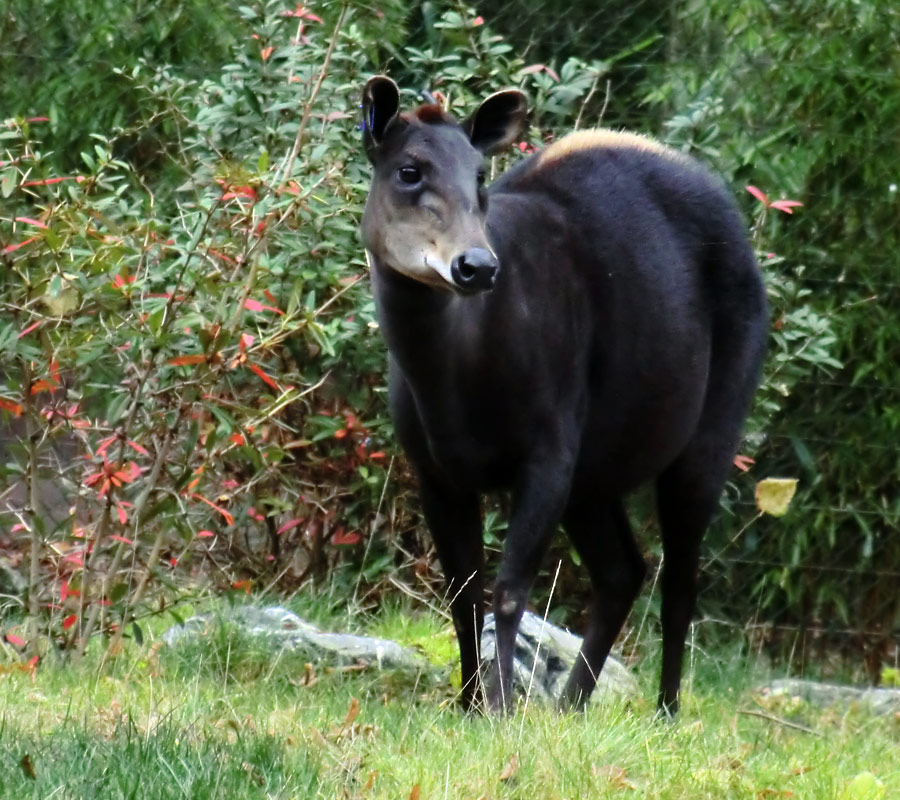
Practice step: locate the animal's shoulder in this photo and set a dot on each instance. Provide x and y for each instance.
(600, 139)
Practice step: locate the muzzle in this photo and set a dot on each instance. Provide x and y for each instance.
(474, 270)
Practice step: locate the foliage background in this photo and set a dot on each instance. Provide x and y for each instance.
(184, 318)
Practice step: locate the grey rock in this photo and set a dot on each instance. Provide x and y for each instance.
(544, 655)
(822, 695)
(284, 630)
(544, 652)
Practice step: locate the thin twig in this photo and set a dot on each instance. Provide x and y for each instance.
(587, 100)
(605, 104)
(307, 109)
(778, 721)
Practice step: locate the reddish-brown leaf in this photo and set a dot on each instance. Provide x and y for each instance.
(13, 408)
(345, 537)
(69, 621)
(229, 518)
(183, 361)
(18, 641)
(291, 523)
(262, 375)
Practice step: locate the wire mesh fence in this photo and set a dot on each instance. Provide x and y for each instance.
(801, 101)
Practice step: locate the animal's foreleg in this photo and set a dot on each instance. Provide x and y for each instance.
(454, 519)
(539, 502)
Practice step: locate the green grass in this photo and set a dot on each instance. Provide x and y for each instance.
(226, 720)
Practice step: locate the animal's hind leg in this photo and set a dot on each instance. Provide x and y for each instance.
(603, 539)
(687, 496)
(688, 490)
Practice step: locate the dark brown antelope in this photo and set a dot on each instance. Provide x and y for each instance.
(591, 321)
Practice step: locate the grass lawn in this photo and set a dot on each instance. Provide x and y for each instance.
(225, 720)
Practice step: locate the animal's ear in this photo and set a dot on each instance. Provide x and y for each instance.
(380, 104)
(498, 122)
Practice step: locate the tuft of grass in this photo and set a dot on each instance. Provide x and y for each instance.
(227, 719)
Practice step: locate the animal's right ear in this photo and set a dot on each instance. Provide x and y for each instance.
(380, 104)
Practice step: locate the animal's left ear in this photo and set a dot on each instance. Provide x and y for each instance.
(498, 122)
(380, 104)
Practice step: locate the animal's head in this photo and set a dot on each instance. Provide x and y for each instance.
(426, 209)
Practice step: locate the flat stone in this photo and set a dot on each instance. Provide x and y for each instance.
(286, 631)
(544, 652)
(822, 695)
(544, 656)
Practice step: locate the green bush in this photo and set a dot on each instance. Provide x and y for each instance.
(192, 373)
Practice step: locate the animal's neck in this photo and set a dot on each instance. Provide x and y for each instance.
(430, 333)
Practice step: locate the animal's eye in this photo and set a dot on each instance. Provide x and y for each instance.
(409, 175)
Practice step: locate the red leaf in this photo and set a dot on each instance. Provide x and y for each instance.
(759, 195)
(301, 13)
(229, 518)
(123, 517)
(477, 21)
(291, 523)
(266, 52)
(44, 385)
(237, 438)
(743, 463)
(48, 181)
(8, 405)
(204, 534)
(786, 205)
(245, 585)
(30, 328)
(18, 641)
(138, 448)
(183, 361)
(255, 305)
(121, 539)
(36, 222)
(69, 621)
(264, 377)
(11, 248)
(341, 537)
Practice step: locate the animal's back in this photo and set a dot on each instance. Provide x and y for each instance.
(646, 246)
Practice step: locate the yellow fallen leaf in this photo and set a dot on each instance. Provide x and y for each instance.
(511, 768)
(774, 495)
(864, 786)
(352, 712)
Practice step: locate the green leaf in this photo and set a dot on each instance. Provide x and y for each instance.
(9, 181)
(138, 634)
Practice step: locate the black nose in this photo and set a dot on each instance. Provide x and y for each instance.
(475, 270)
